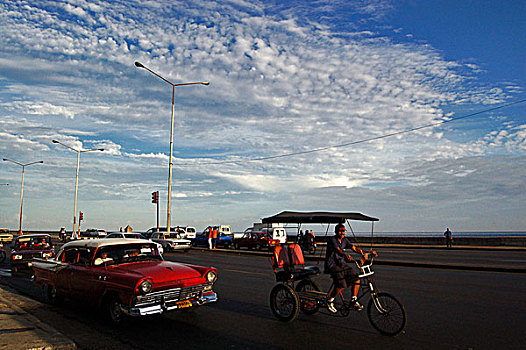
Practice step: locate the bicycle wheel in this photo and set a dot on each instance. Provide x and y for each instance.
(386, 314)
(308, 307)
(2, 256)
(284, 303)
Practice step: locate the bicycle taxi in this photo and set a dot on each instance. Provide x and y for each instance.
(297, 288)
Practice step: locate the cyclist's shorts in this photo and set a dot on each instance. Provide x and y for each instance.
(343, 276)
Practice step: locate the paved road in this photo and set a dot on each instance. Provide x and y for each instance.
(483, 257)
(447, 309)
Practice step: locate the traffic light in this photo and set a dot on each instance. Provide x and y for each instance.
(155, 197)
(81, 216)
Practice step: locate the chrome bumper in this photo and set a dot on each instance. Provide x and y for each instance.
(164, 307)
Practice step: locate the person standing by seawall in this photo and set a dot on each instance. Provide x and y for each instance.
(449, 238)
(210, 246)
(215, 232)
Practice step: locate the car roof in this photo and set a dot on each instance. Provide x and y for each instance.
(35, 235)
(100, 242)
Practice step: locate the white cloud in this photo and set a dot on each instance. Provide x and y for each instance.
(283, 80)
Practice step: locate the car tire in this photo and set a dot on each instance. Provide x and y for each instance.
(112, 311)
(51, 295)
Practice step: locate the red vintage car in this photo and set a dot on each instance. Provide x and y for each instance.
(124, 277)
(28, 247)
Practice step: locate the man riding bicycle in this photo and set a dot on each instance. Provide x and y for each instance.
(342, 273)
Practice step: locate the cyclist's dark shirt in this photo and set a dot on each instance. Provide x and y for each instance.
(332, 258)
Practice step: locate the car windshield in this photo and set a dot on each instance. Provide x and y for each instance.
(31, 243)
(126, 253)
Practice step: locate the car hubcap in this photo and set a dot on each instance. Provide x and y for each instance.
(115, 311)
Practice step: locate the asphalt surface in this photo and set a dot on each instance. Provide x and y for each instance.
(479, 308)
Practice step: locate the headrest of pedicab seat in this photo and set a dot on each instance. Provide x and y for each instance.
(296, 255)
(287, 255)
(280, 257)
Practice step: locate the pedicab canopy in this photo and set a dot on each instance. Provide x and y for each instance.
(315, 217)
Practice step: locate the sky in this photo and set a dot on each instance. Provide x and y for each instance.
(288, 81)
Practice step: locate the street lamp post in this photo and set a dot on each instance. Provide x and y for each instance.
(21, 188)
(169, 206)
(73, 234)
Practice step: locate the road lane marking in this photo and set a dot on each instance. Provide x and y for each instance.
(246, 272)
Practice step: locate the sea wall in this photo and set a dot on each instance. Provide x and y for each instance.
(461, 241)
(509, 241)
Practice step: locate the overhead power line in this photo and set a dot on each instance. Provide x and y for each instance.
(351, 143)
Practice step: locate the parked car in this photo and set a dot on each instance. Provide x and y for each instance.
(130, 235)
(225, 229)
(275, 231)
(223, 240)
(27, 247)
(171, 241)
(123, 277)
(255, 240)
(5, 236)
(93, 233)
(189, 232)
(173, 229)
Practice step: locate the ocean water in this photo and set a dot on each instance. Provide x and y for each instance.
(436, 234)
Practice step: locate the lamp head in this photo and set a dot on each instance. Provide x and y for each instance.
(54, 141)
(101, 149)
(139, 64)
(205, 83)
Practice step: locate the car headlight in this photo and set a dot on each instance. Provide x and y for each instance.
(47, 255)
(211, 276)
(145, 287)
(17, 257)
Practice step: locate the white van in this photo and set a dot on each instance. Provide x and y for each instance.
(274, 231)
(189, 232)
(225, 229)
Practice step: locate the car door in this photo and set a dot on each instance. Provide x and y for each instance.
(201, 239)
(244, 240)
(63, 274)
(83, 277)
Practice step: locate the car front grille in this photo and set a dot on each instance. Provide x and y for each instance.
(170, 295)
(29, 256)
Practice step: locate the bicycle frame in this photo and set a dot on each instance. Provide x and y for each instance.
(367, 286)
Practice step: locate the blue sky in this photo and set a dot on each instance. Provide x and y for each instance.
(286, 77)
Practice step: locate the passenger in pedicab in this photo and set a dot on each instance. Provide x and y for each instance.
(311, 237)
(343, 275)
(299, 238)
